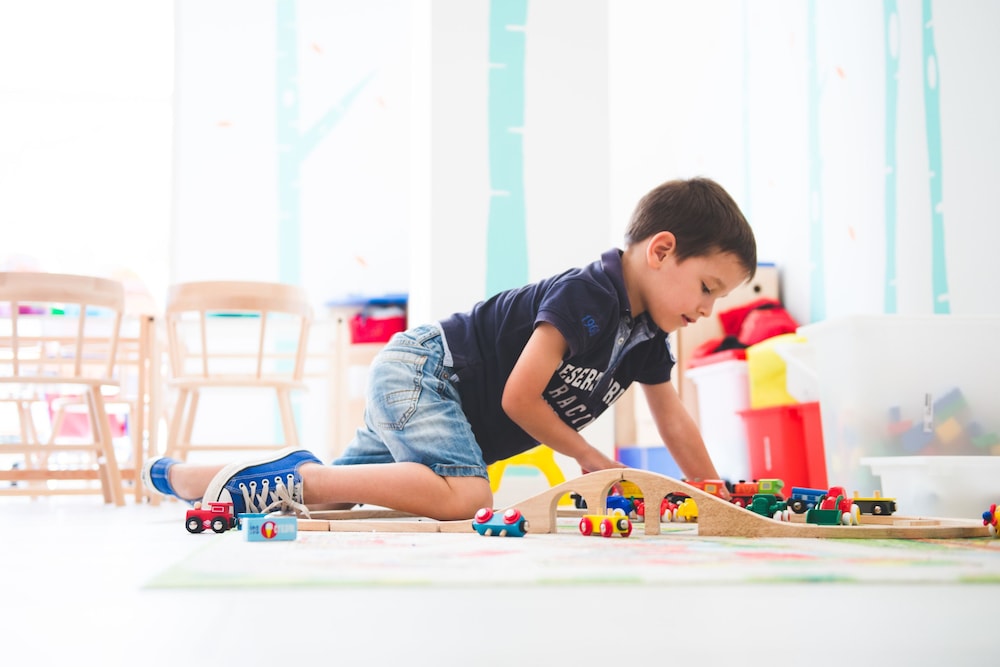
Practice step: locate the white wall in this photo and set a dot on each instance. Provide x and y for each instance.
(85, 139)
(346, 102)
(722, 88)
(565, 146)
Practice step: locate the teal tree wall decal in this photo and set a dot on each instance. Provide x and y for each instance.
(817, 282)
(293, 144)
(892, 46)
(932, 116)
(506, 235)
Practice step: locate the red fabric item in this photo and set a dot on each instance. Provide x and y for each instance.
(732, 319)
(766, 323)
(748, 325)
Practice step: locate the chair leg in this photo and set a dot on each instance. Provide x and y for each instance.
(29, 435)
(288, 418)
(97, 453)
(112, 472)
(188, 429)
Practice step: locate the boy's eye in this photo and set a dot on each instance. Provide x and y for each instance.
(704, 289)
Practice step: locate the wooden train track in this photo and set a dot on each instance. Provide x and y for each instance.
(716, 517)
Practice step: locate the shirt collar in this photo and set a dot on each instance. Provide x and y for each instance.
(611, 260)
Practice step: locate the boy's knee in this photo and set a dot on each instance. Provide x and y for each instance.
(469, 495)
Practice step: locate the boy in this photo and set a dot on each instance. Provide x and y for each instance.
(527, 366)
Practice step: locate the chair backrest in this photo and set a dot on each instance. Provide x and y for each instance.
(233, 330)
(59, 328)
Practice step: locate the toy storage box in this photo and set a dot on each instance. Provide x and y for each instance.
(723, 391)
(654, 458)
(894, 385)
(939, 486)
(786, 442)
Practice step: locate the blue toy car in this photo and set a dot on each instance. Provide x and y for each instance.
(508, 524)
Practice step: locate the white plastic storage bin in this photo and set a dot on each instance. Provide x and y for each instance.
(939, 486)
(895, 385)
(723, 392)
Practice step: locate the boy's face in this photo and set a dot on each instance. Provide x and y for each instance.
(676, 294)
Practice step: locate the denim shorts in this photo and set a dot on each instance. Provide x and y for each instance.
(413, 412)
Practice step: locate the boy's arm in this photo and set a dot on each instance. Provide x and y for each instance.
(523, 402)
(679, 432)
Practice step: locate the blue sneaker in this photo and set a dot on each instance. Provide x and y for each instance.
(155, 477)
(269, 484)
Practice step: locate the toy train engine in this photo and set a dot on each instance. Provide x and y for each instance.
(742, 492)
(769, 505)
(220, 517)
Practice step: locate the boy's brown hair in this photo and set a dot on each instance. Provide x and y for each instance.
(702, 217)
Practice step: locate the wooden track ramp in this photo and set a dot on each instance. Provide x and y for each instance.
(716, 517)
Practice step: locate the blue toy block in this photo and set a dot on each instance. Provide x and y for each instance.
(271, 528)
(915, 439)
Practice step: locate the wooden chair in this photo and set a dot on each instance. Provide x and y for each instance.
(59, 337)
(234, 335)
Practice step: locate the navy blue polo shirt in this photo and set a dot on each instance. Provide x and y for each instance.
(608, 350)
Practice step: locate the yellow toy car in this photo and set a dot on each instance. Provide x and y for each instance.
(687, 510)
(605, 525)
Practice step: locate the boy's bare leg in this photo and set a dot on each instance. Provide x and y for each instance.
(407, 487)
(191, 479)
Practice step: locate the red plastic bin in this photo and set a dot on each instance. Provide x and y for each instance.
(367, 329)
(786, 442)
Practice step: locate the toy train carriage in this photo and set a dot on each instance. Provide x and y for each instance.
(742, 493)
(875, 504)
(510, 523)
(802, 498)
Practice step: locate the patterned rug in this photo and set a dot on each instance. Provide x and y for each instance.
(675, 558)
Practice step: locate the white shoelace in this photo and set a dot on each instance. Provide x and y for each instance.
(283, 497)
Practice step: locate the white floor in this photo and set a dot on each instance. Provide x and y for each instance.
(73, 570)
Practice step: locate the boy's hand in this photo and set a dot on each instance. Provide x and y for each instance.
(594, 460)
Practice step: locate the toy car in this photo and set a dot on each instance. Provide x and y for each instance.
(990, 519)
(687, 510)
(619, 502)
(217, 516)
(767, 504)
(835, 509)
(668, 509)
(605, 525)
(508, 524)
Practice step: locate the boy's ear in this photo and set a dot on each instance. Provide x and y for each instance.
(659, 247)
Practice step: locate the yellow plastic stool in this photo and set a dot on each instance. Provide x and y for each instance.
(540, 457)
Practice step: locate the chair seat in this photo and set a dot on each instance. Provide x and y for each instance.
(236, 382)
(61, 380)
